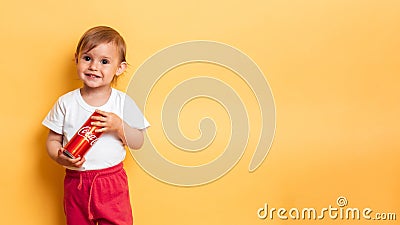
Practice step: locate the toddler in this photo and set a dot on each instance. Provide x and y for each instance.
(95, 186)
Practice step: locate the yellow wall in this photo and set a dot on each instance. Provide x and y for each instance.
(333, 67)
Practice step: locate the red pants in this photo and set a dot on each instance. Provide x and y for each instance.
(97, 197)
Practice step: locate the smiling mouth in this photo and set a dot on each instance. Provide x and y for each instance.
(92, 75)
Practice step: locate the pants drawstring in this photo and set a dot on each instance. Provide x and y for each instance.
(90, 197)
(90, 214)
(80, 182)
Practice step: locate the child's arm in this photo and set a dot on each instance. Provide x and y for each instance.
(55, 151)
(111, 122)
(132, 137)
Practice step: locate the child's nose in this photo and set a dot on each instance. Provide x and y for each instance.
(93, 65)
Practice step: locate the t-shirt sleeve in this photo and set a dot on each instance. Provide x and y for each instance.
(133, 116)
(55, 118)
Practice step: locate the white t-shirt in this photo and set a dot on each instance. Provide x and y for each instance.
(70, 112)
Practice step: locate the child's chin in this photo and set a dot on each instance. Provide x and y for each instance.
(91, 84)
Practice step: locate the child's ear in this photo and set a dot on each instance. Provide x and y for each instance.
(121, 68)
(76, 58)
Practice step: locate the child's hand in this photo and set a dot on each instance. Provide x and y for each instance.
(109, 122)
(66, 161)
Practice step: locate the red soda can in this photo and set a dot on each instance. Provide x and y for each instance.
(83, 140)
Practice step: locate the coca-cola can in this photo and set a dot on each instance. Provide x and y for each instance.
(83, 139)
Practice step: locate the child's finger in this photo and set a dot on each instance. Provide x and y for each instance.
(101, 130)
(103, 113)
(80, 162)
(99, 118)
(98, 123)
(77, 159)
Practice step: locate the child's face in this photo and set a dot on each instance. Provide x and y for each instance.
(97, 67)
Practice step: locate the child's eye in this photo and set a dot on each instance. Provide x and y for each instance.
(105, 61)
(86, 58)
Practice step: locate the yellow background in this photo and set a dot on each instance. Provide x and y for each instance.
(333, 67)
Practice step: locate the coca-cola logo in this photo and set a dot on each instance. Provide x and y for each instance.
(87, 134)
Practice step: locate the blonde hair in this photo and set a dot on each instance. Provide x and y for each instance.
(100, 35)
